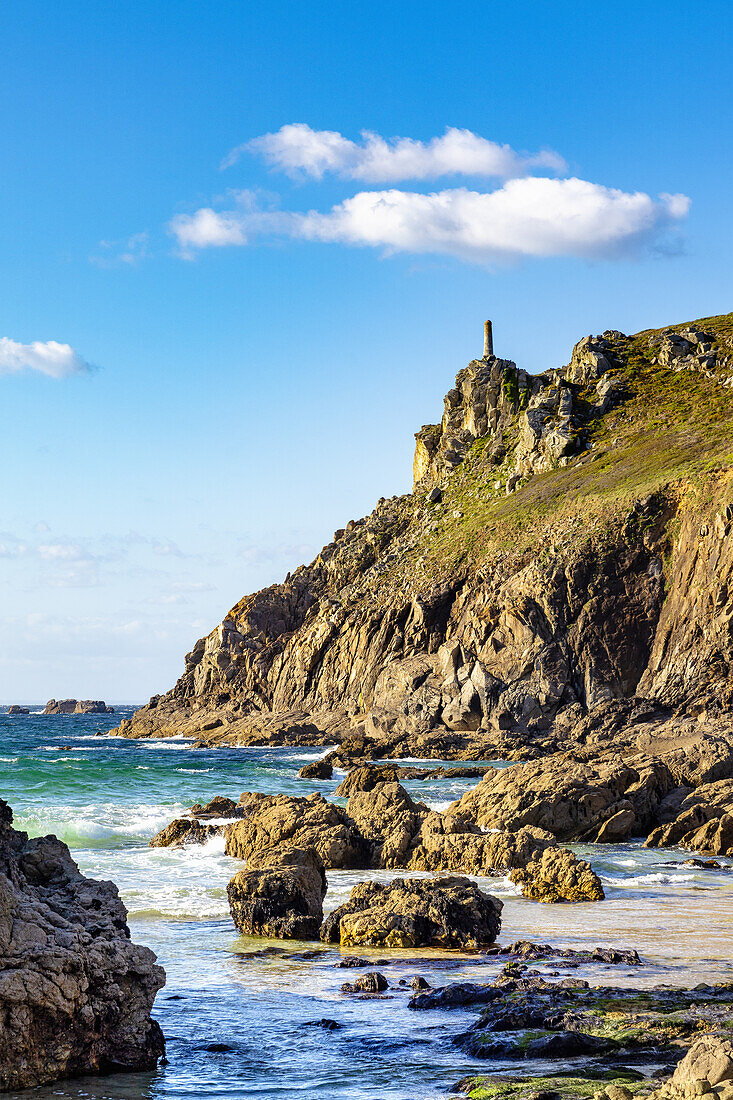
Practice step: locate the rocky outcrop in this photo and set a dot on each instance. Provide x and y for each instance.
(388, 819)
(201, 823)
(556, 874)
(280, 894)
(570, 797)
(642, 786)
(77, 706)
(440, 912)
(75, 993)
(18, 710)
(310, 822)
(703, 821)
(182, 831)
(383, 828)
(429, 625)
(544, 871)
(367, 776)
(709, 1060)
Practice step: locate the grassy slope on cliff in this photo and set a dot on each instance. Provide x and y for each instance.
(673, 428)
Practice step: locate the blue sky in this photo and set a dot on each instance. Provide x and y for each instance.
(247, 398)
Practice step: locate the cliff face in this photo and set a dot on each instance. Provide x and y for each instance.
(566, 544)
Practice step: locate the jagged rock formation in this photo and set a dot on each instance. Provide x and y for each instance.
(383, 828)
(77, 706)
(638, 779)
(75, 993)
(567, 546)
(440, 912)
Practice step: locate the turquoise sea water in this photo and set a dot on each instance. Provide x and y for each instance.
(107, 796)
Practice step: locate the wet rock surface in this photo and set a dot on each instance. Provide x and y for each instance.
(75, 992)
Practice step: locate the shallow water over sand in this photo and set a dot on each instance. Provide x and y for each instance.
(107, 797)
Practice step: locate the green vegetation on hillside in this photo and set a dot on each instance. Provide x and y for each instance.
(672, 428)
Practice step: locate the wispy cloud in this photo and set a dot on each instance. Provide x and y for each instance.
(301, 151)
(531, 217)
(50, 357)
(128, 251)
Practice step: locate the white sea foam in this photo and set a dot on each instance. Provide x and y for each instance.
(98, 822)
(179, 745)
(654, 878)
(8, 759)
(193, 771)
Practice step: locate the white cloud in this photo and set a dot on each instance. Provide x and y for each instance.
(63, 551)
(532, 217)
(300, 151)
(51, 358)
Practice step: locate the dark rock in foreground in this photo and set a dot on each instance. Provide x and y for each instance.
(280, 894)
(371, 982)
(75, 993)
(77, 706)
(441, 912)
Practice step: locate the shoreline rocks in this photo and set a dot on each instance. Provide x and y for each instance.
(18, 710)
(384, 828)
(75, 993)
(448, 912)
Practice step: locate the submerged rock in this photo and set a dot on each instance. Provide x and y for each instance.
(280, 894)
(442, 912)
(183, 831)
(75, 992)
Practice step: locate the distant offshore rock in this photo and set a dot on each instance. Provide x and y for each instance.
(77, 706)
(18, 710)
(75, 992)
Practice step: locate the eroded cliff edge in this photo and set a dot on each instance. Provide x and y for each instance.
(566, 548)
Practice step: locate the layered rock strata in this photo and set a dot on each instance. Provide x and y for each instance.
(567, 545)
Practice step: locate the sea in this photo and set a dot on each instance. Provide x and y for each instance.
(242, 1016)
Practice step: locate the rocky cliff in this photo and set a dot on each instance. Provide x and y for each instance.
(566, 545)
(75, 992)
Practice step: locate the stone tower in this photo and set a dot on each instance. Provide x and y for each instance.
(488, 340)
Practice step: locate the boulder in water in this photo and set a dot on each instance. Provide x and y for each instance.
(441, 912)
(280, 894)
(77, 706)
